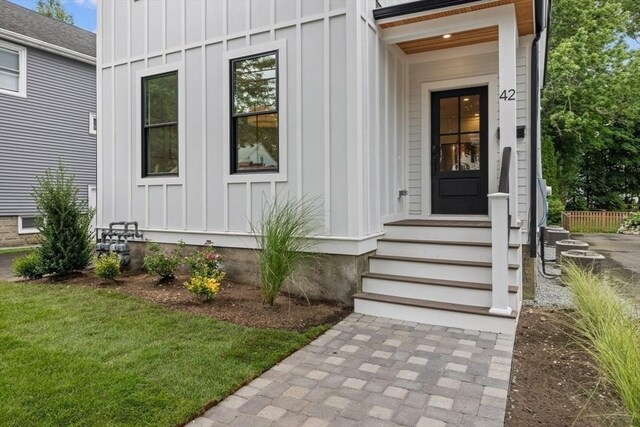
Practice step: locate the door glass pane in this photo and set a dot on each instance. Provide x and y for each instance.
(448, 115)
(470, 113)
(470, 151)
(449, 153)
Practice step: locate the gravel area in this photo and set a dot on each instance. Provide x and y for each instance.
(549, 291)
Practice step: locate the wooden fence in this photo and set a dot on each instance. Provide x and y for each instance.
(593, 221)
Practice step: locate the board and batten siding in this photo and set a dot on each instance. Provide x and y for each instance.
(50, 124)
(469, 65)
(323, 145)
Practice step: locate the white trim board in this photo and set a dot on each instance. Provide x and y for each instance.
(324, 244)
(22, 71)
(58, 50)
(489, 80)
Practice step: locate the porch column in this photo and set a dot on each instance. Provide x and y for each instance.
(507, 45)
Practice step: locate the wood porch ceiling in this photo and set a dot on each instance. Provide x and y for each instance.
(463, 38)
(524, 15)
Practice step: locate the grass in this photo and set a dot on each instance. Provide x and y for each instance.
(78, 356)
(609, 333)
(22, 250)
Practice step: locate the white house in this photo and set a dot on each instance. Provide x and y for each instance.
(400, 116)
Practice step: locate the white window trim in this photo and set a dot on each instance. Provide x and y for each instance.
(22, 77)
(281, 176)
(160, 180)
(92, 119)
(22, 230)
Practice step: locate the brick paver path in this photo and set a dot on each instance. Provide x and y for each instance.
(370, 371)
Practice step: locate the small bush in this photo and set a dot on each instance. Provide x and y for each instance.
(206, 262)
(163, 263)
(204, 287)
(282, 238)
(555, 211)
(631, 225)
(107, 266)
(609, 333)
(63, 221)
(28, 266)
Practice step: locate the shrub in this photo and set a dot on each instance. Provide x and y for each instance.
(631, 225)
(107, 266)
(28, 266)
(63, 221)
(206, 262)
(163, 263)
(282, 239)
(609, 333)
(555, 211)
(204, 287)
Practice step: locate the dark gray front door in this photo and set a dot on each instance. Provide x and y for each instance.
(459, 121)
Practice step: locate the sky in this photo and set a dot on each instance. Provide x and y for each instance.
(83, 11)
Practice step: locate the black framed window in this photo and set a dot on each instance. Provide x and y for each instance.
(254, 114)
(160, 125)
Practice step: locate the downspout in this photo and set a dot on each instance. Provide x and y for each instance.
(533, 149)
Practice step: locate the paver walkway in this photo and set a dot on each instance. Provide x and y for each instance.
(370, 371)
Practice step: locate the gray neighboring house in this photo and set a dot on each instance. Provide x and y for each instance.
(47, 111)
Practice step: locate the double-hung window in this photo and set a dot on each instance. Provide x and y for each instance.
(160, 147)
(255, 145)
(12, 69)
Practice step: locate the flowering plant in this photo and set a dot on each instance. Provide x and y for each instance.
(631, 225)
(204, 287)
(206, 262)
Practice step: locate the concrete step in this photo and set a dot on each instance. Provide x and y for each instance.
(441, 269)
(434, 313)
(441, 249)
(448, 291)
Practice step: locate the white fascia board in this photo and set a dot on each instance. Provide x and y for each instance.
(58, 50)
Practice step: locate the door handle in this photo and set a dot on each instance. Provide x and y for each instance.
(434, 159)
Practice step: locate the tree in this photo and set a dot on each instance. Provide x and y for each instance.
(590, 104)
(54, 9)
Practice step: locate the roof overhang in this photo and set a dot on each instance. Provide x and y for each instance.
(52, 48)
(418, 6)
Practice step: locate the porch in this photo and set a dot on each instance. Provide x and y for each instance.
(452, 255)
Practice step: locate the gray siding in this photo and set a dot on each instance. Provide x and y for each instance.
(51, 123)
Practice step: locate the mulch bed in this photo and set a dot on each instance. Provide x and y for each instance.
(554, 380)
(237, 303)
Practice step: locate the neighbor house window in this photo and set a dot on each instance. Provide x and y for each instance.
(254, 114)
(12, 69)
(160, 124)
(27, 225)
(93, 124)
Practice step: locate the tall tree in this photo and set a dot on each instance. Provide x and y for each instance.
(54, 9)
(591, 102)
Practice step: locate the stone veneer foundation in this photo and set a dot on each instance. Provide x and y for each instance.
(327, 277)
(9, 237)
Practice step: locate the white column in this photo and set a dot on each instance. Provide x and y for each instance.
(500, 226)
(508, 39)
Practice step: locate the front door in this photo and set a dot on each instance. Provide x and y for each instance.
(459, 137)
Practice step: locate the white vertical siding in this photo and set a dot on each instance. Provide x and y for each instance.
(197, 34)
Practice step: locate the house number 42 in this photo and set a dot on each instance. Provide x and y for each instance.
(508, 95)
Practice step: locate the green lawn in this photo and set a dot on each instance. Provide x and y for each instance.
(80, 356)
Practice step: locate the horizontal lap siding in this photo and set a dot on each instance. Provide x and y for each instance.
(51, 124)
(197, 34)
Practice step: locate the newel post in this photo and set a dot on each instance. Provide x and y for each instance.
(500, 227)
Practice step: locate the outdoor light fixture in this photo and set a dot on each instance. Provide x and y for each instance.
(446, 36)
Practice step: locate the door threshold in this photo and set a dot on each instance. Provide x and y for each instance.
(454, 217)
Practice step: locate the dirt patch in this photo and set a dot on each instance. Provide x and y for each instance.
(237, 303)
(554, 380)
